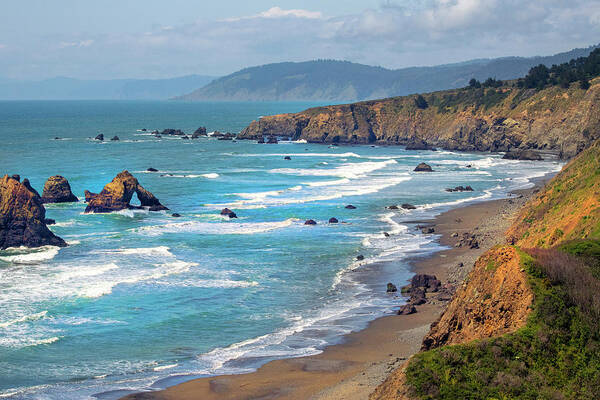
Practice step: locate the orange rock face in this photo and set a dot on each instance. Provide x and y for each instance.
(495, 300)
(22, 216)
(117, 195)
(58, 190)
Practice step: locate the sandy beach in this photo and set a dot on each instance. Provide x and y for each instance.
(353, 369)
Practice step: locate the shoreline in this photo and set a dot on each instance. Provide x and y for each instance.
(353, 368)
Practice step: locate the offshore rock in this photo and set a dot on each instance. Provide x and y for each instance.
(22, 217)
(58, 190)
(114, 138)
(423, 168)
(100, 137)
(117, 195)
(310, 222)
(391, 288)
(199, 132)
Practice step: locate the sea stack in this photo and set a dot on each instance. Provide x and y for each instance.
(22, 217)
(117, 195)
(423, 168)
(58, 190)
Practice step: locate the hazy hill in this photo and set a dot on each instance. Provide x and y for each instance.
(61, 88)
(345, 81)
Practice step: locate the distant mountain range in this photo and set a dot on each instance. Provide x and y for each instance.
(337, 81)
(116, 89)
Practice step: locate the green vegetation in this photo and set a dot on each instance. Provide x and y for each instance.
(555, 356)
(579, 69)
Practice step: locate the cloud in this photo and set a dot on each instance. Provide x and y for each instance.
(396, 34)
(278, 12)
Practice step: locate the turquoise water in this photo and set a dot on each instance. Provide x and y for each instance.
(143, 300)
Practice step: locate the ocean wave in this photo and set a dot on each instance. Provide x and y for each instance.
(212, 283)
(141, 251)
(349, 170)
(25, 255)
(328, 183)
(164, 367)
(211, 175)
(208, 228)
(486, 195)
(25, 318)
(342, 155)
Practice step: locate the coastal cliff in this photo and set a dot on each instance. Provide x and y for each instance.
(525, 323)
(553, 119)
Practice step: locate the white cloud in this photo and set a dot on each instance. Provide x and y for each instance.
(278, 12)
(80, 43)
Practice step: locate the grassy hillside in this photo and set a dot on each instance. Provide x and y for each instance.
(555, 354)
(344, 81)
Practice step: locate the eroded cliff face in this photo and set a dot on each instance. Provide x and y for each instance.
(22, 216)
(567, 209)
(564, 121)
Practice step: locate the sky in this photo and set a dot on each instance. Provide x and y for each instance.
(112, 39)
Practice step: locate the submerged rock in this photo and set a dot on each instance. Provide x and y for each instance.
(58, 190)
(117, 195)
(407, 206)
(287, 158)
(114, 138)
(175, 215)
(350, 207)
(423, 168)
(152, 169)
(23, 217)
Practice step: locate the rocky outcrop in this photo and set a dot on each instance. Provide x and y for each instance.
(172, 132)
(523, 155)
(117, 195)
(199, 132)
(423, 168)
(58, 190)
(495, 300)
(99, 137)
(560, 120)
(23, 217)
(460, 189)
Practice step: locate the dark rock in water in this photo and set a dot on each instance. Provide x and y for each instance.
(360, 257)
(199, 132)
(175, 215)
(261, 140)
(350, 207)
(49, 221)
(232, 215)
(469, 166)
(391, 288)
(423, 168)
(392, 207)
(460, 189)
(427, 230)
(522, 155)
(88, 195)
(407, 206)
(407, 309)
(419, 144)
(272, 140)
(172, 132)
(117, 195)
(100, 137)
(16, 177)
(114, 138)
(310, 222)
(56, 138)
(225, 138)
(287, 158)
(386, 234)
(58, 190)
(152, 169)
(143, 129)
(333, 220)
(226, 211)
(185, 137)
(426, 281)
(23, 216)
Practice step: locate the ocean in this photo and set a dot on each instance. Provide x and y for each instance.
(142, 300)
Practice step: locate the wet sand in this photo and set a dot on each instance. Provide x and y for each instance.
(353, 369)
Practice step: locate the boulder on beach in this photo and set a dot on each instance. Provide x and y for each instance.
(114, 138)
(117, 195)
(310, 222)
(350, 207)
(423, 168)
(100, 137)
(58, 190)
(407, 309)
(333, 220)
(417, 296)
(407, 206)
(522, 155)
(391, 288)
(426, 281)
(23, 217)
